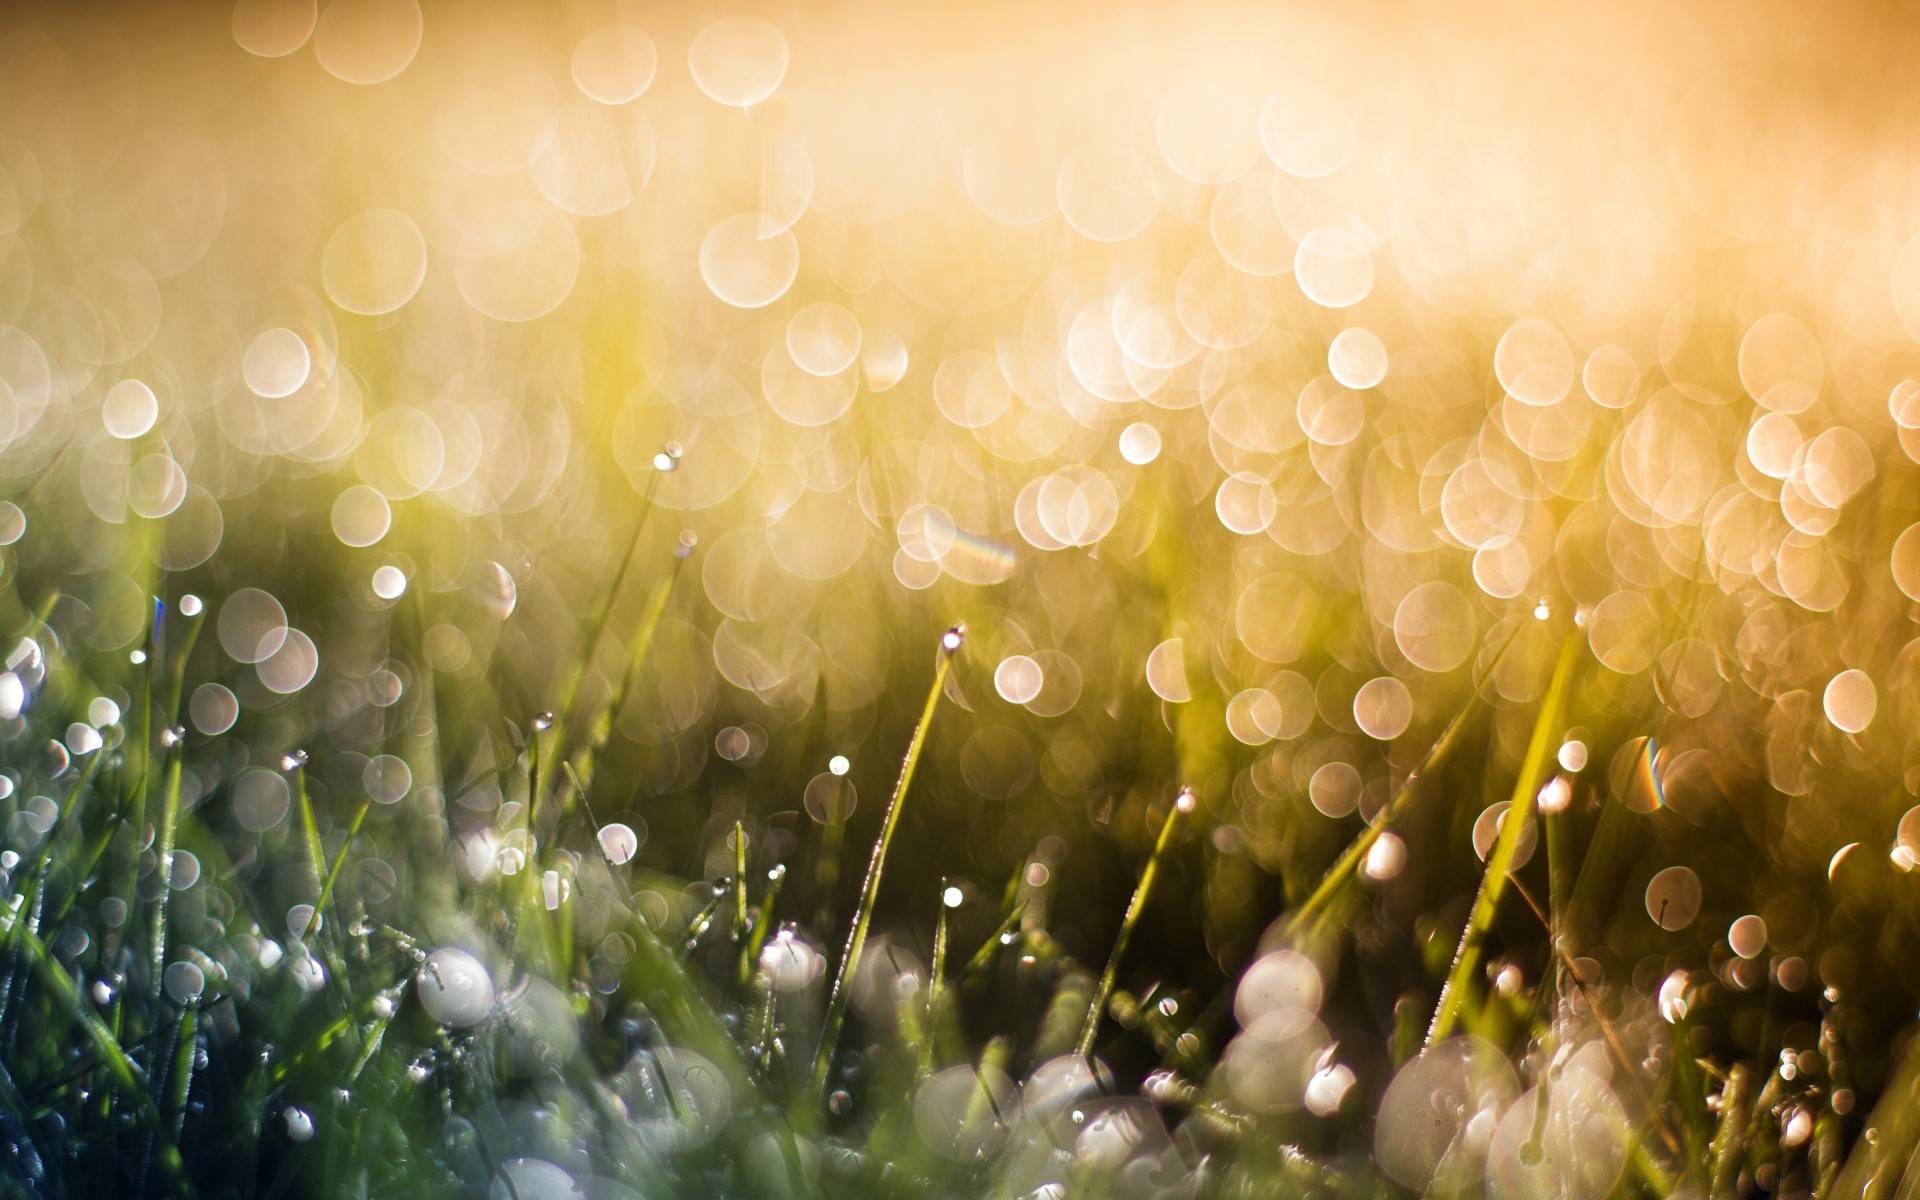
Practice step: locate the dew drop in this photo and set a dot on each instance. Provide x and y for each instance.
(185, 981)
(298, 1124)
(619, 843)
(454, 987)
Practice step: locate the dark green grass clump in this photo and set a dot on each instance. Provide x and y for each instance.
(242, 969)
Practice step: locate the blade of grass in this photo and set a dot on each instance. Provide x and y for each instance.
(12, 1101)
(936, 982)
(1493, 883)
(367, 1007)
(164, 835)
(30, 878)
(1567, 969)
(180, 1076)
(309, 827)
(870, 891)
(597, 627)
(1103, 992)
(990, 948)
(757, 936)
(1344, 868)
(163, 843)
(1727, 1140)
(739, 881)
(638, 647)
(340, 860)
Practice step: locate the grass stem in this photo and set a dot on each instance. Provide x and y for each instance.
(1103, 992)
(1493, 883)
(870, 891)
(1344, 868)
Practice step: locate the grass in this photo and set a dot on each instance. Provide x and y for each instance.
(330, 1076)
(839, 996)
(544, 885)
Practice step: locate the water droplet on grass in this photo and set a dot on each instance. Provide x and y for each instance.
(298, 1124)
(185, 982)
(454, 987)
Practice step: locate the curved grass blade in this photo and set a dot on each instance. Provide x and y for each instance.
(984, 956)
(1493, 883)
(340, 859)
(639, 646)
(1104, 991)
(870, 891)
(577, 672)
(1344, 868)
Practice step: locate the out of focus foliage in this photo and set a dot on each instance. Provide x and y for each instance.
(1424, 507)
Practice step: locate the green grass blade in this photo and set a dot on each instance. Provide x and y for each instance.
(870, 891)
(989, 949)
(309, 830)
(180, 1074)
(1727, 1139)
(757, 936)
(1493, 883)
(638, 647)
(1137, 905)
(340, 858)
(163, 842)
(167, 829)
(565, 716)
(936, 983)
(1344, 868)
(739, 881)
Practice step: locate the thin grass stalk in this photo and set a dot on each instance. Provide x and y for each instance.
(576, 676)
(32, 877)
(762, 922)
(12, 1101)
(990, 949)
(639, 646)
(1348, 864)
(309, 827)
(526, 884)
(96, 854)
(163, 844)
(340, 861)
(1566, 968)
(826, 867)
(13, 992)
(1724, 1156)
(175, 672)
(995, 1057)
(149, 664)
(870, 891)
(936, 982)
(1103, 992)
(1493, 883)
(739, 881)
(31, 886)
(180, 1077)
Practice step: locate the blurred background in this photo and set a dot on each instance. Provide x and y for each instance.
(1260, 387)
